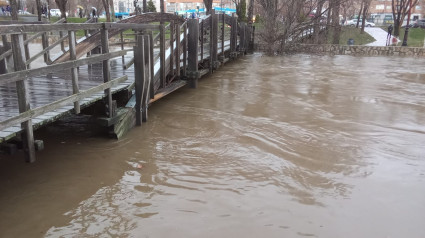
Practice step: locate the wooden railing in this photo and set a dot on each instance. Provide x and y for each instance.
(158, 61)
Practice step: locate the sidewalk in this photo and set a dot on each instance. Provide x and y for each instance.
(379, 34)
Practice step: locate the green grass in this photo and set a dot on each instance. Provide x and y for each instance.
(74, 19)
(348, 32)
(415, 37)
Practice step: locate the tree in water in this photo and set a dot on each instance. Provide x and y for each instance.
(151, 6)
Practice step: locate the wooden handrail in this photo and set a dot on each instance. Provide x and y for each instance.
(18, 29)
(25, 116)
(22, 75)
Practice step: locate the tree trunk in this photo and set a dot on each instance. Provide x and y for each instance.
(15, 7)
(106, 6)
(317, 20)
(62, 7)
(358, 15)
(145, 7)
(208, 5)
(111, 3)
(365, 11)
(38, 4)
(161, 2)
(250, 10)
(335, 22)
(48, 9)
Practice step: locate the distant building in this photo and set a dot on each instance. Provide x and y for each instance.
(384, 7)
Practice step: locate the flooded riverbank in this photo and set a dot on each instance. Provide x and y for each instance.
(267, 146)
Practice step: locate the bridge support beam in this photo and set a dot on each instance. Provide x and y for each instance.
(193, 45)
(23, 101)
(143, 79)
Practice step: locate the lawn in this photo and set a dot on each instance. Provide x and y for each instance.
(415, 37)
(348, 32)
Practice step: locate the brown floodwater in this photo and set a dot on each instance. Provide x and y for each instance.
(292, 146)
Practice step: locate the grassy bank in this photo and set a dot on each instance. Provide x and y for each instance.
(415, 37)
(352, 33)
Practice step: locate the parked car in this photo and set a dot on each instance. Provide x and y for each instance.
(419, 23)
(353, 22)
(22, 12)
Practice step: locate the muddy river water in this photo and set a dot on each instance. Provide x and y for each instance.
(293, 146)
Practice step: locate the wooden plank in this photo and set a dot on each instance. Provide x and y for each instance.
(22, 117)
(24, 105)
(15, 29)
(21, 75)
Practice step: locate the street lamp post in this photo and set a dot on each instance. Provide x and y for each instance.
(406, 33)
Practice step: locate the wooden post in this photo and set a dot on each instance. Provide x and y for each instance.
(107, 70)
(242, 37)
(213, 41)
(9, 60)
(139, 76)
(3, 68)
(177, 50)
(122, 48)
(147, 77)
(74, 73)
(27, 51)
(152, 66)
(163, 74)
(223, 24)
(45, 43)
(234, 34)
(23, 100)
(62, 42)
(202, 40)
(185, 49)
(193, 42)
(172, 48)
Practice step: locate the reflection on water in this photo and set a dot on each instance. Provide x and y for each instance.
(293, 146)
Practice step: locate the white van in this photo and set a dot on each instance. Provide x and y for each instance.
(55, 12)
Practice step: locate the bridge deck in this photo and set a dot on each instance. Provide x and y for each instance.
(44, 90)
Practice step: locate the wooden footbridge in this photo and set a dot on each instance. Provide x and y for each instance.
(116, 69)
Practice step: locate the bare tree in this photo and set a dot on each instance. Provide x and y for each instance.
(208, 5)
(366, 6)
(400, 9)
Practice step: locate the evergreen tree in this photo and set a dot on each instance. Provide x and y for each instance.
(151, 6)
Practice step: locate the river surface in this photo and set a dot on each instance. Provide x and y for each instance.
(295, 146)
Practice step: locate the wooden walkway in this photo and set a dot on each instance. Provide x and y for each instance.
(31, 98)
(44, 90)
